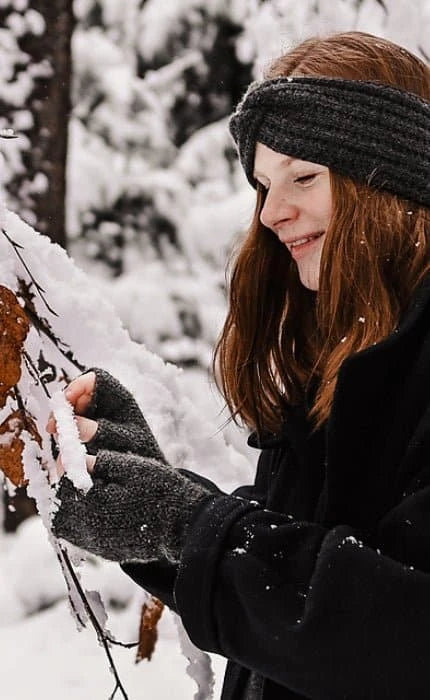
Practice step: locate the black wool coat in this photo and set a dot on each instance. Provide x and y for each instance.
(317, 577)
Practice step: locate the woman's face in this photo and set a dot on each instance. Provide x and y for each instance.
(297, 207)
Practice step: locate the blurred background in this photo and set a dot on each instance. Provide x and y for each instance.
(124, 156)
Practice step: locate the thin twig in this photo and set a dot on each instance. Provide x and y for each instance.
(71, 601)
(96, 624)
(111, 697)
(32, 369)
(17, 247)
(383, 5)
(42, 326)
(125, 645)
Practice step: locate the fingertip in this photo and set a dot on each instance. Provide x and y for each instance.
(51, 426)
(91, 460)
(60, 467)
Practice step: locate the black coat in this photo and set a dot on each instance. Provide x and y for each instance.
(318, 577)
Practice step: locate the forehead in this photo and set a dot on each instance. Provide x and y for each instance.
(266, 159)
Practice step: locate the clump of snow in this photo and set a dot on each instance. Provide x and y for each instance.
(61, 292)
(29, 550)
(72, 450)
(97, 338)
(199, 668)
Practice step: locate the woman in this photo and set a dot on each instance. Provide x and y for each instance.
(315, 581)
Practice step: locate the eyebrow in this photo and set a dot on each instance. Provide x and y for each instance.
(287, 160)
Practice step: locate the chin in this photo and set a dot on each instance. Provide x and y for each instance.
(310, 281)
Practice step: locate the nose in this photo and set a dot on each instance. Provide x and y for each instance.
(276, 210)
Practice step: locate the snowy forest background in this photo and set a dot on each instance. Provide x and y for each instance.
(124, 158)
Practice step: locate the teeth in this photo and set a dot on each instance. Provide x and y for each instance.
(304, 240)
(299, 242)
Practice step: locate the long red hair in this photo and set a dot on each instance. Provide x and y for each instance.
(278, 335)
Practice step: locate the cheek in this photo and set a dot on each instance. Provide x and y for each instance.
(317, 253)
(322, 205)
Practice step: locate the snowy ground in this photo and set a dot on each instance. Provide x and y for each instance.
(43, 654)
(45, 657)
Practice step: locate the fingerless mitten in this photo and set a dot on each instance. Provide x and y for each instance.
(121, 425)
(137, 510)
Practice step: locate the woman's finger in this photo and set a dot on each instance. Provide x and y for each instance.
(80, 392)
(87, 428)
(60, 467)
(91, 460)
(51, 426)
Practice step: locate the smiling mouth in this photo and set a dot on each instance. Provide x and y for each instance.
(304, 240)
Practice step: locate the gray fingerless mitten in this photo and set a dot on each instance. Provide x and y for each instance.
(137, 510)
(121, 425)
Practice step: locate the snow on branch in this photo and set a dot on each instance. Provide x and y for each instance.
(54, 325)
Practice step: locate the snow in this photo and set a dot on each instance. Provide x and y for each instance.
(156, 22)
(58, 661)
(73, 452)
(199, 666)
(35, 24)
(121, 145)
(96, 337)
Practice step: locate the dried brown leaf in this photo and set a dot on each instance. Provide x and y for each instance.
(14, 327)
(12, 446)
(151, 613)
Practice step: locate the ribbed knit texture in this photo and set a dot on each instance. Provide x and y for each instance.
(121, 425)
(139, 507)
(137, 510)
(368, 131)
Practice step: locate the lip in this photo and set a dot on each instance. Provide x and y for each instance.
(300, 250)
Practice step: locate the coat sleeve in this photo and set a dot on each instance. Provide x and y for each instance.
(313, 609)
(158, 577)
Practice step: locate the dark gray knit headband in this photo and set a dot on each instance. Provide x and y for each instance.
(367, 131)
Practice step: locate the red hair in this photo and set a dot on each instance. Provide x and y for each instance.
(278, 335)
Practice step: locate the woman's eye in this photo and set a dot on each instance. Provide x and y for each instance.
(305, 179)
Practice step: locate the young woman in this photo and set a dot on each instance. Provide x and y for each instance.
(315, 581)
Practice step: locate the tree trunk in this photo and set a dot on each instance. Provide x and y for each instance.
(37, 189)
(40, 113)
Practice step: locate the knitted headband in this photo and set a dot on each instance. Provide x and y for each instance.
(367, 131)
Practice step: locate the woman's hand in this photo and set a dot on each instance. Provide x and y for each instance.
(79, 393)
(137, 509)
(87, 428)
(59, 466)
(108, 417)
